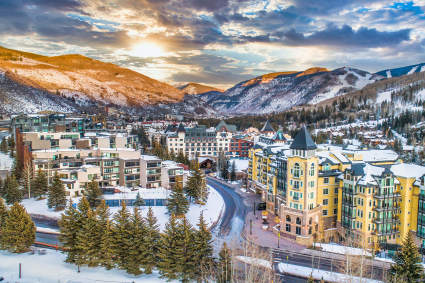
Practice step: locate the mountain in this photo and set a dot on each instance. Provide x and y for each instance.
(407, 70)
(195, 88)
(277, 92)
(82, 80)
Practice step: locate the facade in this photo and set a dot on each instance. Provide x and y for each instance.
(200, 140)
(365, 198)
(240, 146)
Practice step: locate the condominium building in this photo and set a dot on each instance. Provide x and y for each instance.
(200, 140)
(365, 198)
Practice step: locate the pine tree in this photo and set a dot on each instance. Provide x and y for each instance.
(2, 190)
(85, 240)
(18, 233)
(57, 197)
(177, 203)
(3, 216)
(139, 201)
(408, 262)
(224, 266)
(137, 244)
(196, 187)
(310, 278)
(12, 191)
(225, 170)
(233, 172)
(204, 250)
(40, 186)
(103, 235)
(186, 251)
(68, 225)
(169, 260)
(180, 157)
(3, 146)
(152, 239)
(93, 194)
(121, 233)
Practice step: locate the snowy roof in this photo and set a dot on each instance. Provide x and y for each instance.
(127, 193)
(408, 170)
(149, 157)
(367, 172)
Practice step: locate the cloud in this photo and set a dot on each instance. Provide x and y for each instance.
(347, 36)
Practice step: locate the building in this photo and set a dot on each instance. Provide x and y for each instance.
(150, 171)
(240, 146)
(200, 140)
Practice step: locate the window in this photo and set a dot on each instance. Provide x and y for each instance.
(325, 212)
(312, 169)
(335, 200)
(297, 170)
(312, 195)
(336, 190)
(298, 221)
(288, 227)
(325, 191)
(298, 230)
(335, 211)
(325, 201)
(326, 180)
(288, 218)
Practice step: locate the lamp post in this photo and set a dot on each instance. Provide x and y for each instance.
(254, 208)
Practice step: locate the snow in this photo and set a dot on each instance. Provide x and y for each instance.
(411, 71)
(240, 164)
(51, 268)
(6, 162)
(389, 74)
(408, 170)
(340, 249)
(212, 209)
(319, 274)
(384, 96)
(47, 230)
(422, 69)
(255, 261)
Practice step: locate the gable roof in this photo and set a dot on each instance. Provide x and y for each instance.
(267, 127)
(230, 128)
(303, 140)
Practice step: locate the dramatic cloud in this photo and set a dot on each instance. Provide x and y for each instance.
(220, 42)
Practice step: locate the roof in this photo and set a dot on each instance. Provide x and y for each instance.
(303, 140)
(267, 127)
(181, 128)
(279, 136)
(228, 127)
(408, 170)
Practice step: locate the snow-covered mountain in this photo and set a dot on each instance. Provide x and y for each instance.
(407, 70)
(278, 92)
(195, 88)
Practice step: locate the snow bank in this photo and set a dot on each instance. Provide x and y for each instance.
(255, 261)
(51, 268)
(319, 274)
(6, 162)
(340, 249)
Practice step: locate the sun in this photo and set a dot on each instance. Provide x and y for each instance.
(147, 49)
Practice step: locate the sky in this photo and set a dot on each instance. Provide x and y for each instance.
(220, 42)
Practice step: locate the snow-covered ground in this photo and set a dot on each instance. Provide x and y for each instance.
(319, 274)
(51, 268)
(340, 249)
(211, 210)
(6, 162)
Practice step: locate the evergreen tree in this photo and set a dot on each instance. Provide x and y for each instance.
(68, 225)
(40, 186)
(204, 250)
(12, 191)
(103, 235)
(177, 203)
(233, 172)
(186, 251)
(18, 233)
(57, 197)
(196, 187)
(122, 238)
(408, 262)
(93, 194)
(152, 239)
(86, 235)
(139, 201)
(169, 259)
(224, 266)
(2, 191)
(138, 245)
(3, 216)
(180, 157)
(225, 170)
(3, 146)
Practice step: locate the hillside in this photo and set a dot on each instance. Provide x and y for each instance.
(277, 92)
(407, 70)
(195, 88)
(85, 80)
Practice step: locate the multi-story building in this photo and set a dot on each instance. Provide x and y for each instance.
(200, 140)
(240, 146)
(363, 197)
(150, 171)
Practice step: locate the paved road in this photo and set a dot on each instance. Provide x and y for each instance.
(335, 265)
